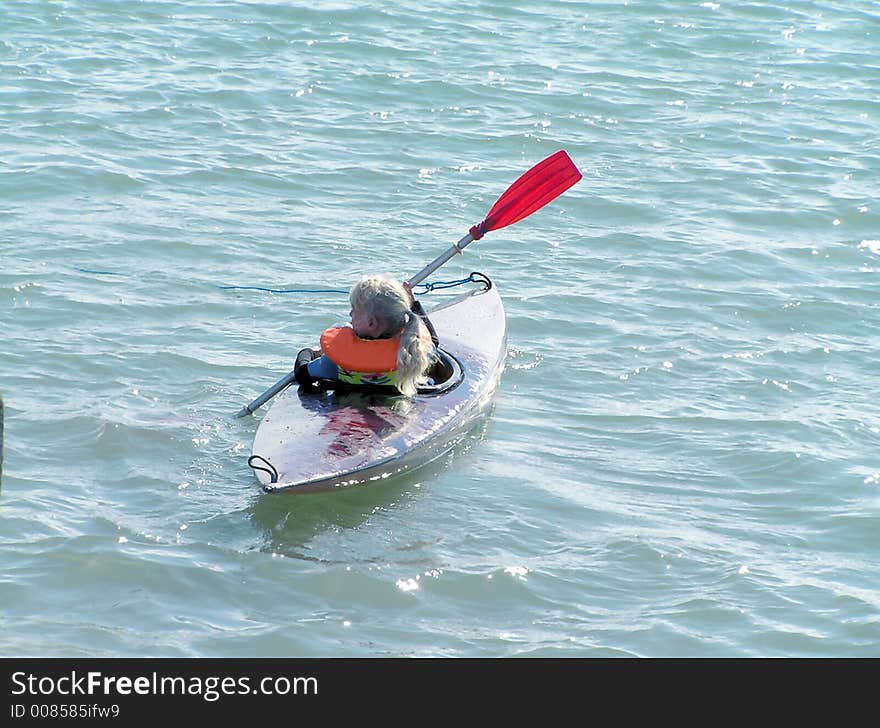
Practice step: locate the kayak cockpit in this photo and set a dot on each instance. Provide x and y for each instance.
(445, 373)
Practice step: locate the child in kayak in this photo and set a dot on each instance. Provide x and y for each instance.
(390, 341)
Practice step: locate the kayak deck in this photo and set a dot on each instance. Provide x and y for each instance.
(326, 440)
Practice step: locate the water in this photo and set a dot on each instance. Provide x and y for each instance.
(683, 455)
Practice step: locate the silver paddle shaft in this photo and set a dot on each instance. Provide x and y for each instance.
(285, 381)
(435, 264)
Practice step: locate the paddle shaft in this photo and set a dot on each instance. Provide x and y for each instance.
(456, 249)
(285, 381)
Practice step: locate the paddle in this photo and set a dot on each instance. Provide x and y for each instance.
(543, 183)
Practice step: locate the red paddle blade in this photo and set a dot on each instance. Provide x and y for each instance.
(544, 182)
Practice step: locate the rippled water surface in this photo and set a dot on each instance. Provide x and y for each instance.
(684, 453)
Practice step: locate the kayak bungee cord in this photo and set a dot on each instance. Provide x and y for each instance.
(474, 277)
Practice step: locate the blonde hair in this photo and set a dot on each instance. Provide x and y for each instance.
(389, 302)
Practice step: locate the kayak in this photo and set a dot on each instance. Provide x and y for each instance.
(313, 441)
(332, 437)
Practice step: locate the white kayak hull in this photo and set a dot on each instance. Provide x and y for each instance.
(324, 441)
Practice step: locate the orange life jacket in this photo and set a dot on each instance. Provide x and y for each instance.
(350, 352)
(347, 350)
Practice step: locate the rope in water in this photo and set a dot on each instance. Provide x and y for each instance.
(428, 287)
(282, 290)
